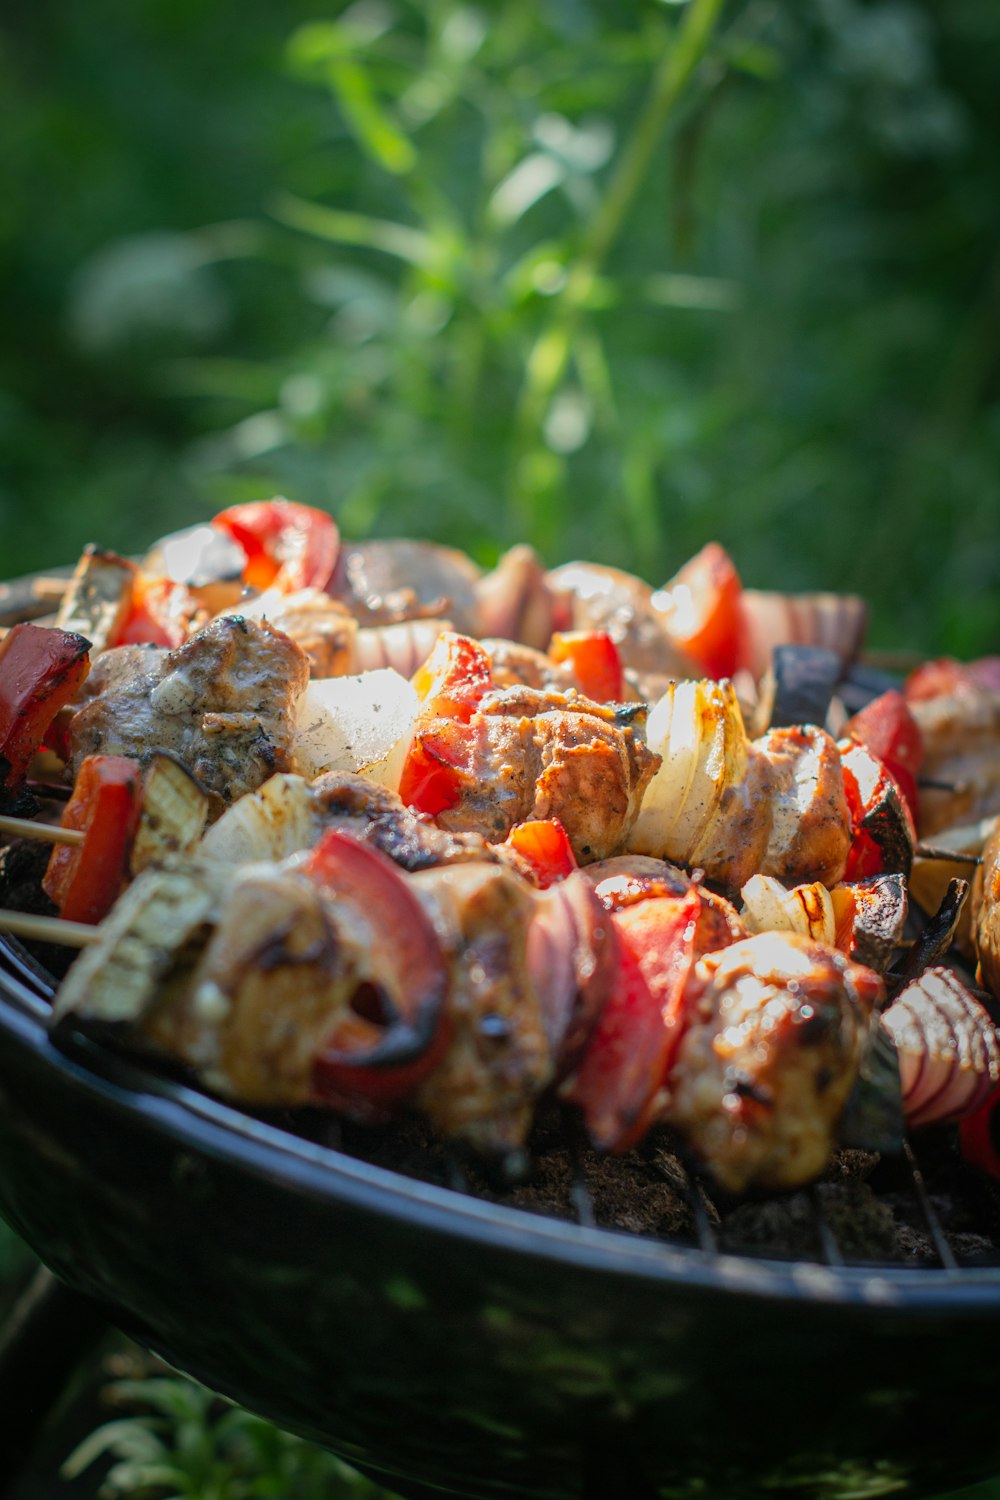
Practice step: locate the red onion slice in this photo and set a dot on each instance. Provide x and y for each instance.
(948, 1048)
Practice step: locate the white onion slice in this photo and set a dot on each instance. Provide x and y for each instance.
(362, 723)
(769, 907)
(277, 820)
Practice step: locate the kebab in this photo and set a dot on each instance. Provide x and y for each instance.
(467, 713)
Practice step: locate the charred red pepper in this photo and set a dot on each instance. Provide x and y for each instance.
(288, 546)
(41, 670)
(160, 614)
(545, 844)
(454, 679)
(889, 730)
(452, 683)
(595, 662)
(883, 833)
(397, 1027)
(619, 1082)
(703, 615)
(85, 880)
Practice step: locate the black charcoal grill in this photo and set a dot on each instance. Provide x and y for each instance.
(451, 1346)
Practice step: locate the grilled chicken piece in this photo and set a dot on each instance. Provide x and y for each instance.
(499, 1059)
(810, 836)
(534, 754)
(961, 737)
(321, 626)
(279, 967)
(986, 908)
(764, 1071)
(383, 582)
(593, 597)
(223, 703)
(515, 665)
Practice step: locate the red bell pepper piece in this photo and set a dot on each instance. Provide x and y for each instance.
(288, 546)
(619, 1083)
(703, 616)
(889, 730)
(398, 1026)
(883, 833)
(41, 670)
(159, 614)
(545, 844)
(454, 679)
(85, 880)
(979, 1136)
(594, 659)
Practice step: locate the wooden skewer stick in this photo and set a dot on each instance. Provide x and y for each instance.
(48, 929)
(953, 856)
(46, 833)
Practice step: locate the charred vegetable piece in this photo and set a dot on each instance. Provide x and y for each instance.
(41, 670)
(596, 665)
(619, 1083)
(288, 546)
(544, 843)
(173, 816)
(889, 730)
(883, 834)
(151, 933)
(938, 935)
(948, 1046)
(871, 917)
(99, 598)
(798, 687)
(396, 1029)
(85, 880)
(701, 606)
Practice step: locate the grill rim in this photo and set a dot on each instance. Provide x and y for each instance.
(198, 1123)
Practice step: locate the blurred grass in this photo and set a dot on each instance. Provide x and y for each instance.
(372, 257)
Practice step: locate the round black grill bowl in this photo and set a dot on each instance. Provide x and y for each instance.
(453, 1346)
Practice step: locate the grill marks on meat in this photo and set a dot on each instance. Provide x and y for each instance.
(499, 1060)
(810, 836)
(223, 703)
(763, 1073)
(542, 754)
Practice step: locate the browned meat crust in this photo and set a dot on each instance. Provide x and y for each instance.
(763, 1073)
(553, 755)
(223, 703)
(499, 1060)
(961, 737)
(810, 835)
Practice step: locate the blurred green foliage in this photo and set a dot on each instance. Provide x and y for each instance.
(474, 271)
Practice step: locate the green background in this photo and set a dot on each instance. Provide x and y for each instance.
(613, 276)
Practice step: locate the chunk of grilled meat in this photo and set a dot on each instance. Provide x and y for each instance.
(533, 754)
(499, 1060)
(764, 1070)
(223, 703)
(376, 815)
(986, 913)
(323, 627)
(961, 738)
(810, 834)
(593, 597)
(382, 582)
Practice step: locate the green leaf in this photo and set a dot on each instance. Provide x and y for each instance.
(372, 125)
(345, 228)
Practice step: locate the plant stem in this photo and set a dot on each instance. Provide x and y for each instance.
(550, 354)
